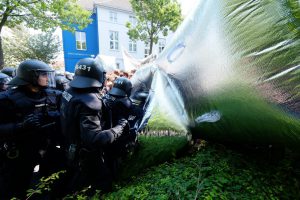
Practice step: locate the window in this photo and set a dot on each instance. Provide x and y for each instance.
(132, 46)
(113, 17)
(161, 45)
(147, 49)
(113, 40)
(118, 65)
(132, 20)
(80, 40)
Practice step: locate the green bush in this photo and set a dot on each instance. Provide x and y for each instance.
(164, 168)
(214, 172)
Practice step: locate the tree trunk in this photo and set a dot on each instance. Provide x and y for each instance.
(5, 15)
(1, 54)
(151, 46)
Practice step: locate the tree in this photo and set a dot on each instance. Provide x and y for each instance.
(43, 15)
(153, 17)
(22, 45)
(44, 46)
(12, 45)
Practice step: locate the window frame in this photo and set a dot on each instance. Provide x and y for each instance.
(113, 16)
(132, 20)
(80, 40)
(114, 40)
(132, 46)
(147, 50)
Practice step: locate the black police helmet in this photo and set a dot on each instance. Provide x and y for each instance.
(4, 78)
(62, 82)
(10, 71)
(28, 72)
(88, 73)
(122, 87)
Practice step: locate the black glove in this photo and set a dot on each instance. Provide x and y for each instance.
(119, 128)
(104, 138)
(110, 135)
(30, 122)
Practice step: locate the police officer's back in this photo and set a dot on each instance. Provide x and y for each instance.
(82, 122)
(29, 112)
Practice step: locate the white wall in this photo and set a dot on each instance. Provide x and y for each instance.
(104, 26)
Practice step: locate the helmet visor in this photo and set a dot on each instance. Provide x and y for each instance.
(46, 79)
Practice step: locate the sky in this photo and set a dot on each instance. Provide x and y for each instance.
(187, 5)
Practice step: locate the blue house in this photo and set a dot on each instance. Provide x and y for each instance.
(81, 44)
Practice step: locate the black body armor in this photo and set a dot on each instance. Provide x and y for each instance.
(19, 145)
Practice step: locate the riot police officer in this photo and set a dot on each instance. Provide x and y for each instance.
(29, 116)
(62, 83)
(4, 79)
(10, 71)
(82, 117)
(118, 106)
(117, 99)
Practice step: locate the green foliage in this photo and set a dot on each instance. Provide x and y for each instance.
(13, 53)
(44, 185)
(152, 151)
(43, 14)
(82, 195)
(154, 17)
(44, 46)
(214, 172)
(22, 45)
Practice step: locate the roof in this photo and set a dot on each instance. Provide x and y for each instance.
(118, 4)
(86, 4)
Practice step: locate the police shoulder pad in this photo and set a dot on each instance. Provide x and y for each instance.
(91, 100)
